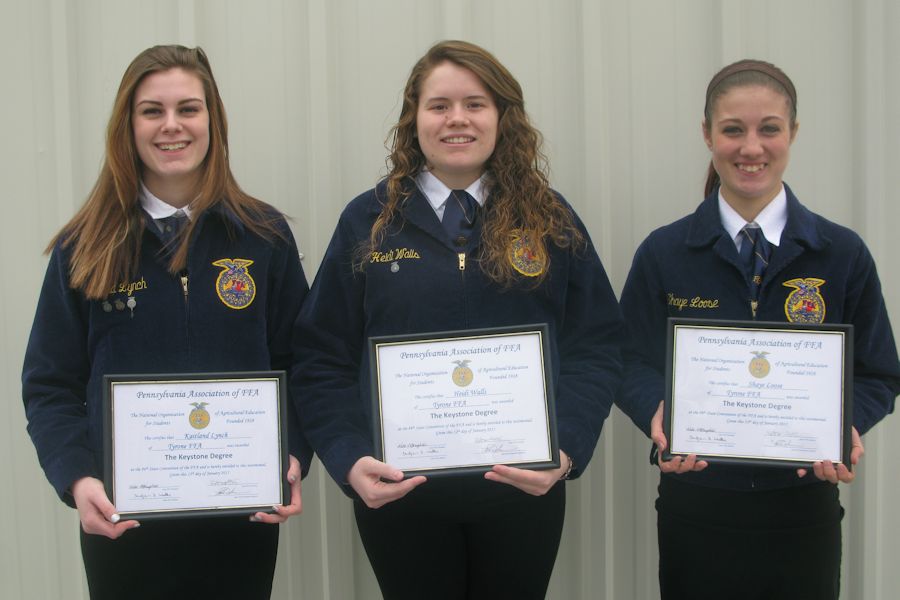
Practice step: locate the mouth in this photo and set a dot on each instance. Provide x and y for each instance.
(172, 146)
(458, 139)
(752, 168)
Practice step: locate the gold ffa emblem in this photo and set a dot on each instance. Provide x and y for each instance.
(234, 285)
(199, 417)
(525, 258)
(805, 304)
(759, 366)
(462, 375)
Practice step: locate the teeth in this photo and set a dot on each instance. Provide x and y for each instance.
(751, 168)
(177, 146)
(458, 140)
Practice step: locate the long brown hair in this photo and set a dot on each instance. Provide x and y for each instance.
(105, 234)
(519, 190)
(744, 73)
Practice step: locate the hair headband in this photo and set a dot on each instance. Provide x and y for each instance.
(752, 65)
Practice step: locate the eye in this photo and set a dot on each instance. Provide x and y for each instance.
(437, 106)
(190, 109)
(476, 104)
(770, 129)
(732, 130)
(150, 111)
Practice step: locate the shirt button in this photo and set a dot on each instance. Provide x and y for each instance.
(461, 240)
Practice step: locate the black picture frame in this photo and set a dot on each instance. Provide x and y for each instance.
(743, 328)
(111, 404)
(449, 337)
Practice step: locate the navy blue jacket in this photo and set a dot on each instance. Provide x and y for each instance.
(427, 291)
(74, 342)
(691, 269)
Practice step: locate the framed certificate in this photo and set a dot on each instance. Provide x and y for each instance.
(463, 401)
(195, 444)
(759, 392)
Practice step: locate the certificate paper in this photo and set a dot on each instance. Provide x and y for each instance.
(190, 444)
(769, 393)
(464, 401)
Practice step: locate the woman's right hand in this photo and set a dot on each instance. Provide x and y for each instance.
(367, 477)
(676, 464)
(96, 511)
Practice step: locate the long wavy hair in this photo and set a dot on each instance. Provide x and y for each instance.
(745, 73)
(105, 233)
(520, 200)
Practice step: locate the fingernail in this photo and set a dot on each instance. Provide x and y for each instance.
(115, 518)
(292, 478)
(254, 518)
(135, 526)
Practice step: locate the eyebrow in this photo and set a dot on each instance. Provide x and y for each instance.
(446, 99)
(180, 102)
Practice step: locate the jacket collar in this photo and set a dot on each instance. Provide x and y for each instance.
(802, 227)
(417, 211)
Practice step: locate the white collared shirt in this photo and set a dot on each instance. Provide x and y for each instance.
(772, 219)
(437, 192)
(158, 209)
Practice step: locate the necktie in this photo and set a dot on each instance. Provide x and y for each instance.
(460, 213)
(171, 226)
(754, 253)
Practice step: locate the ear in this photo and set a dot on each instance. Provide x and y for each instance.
(794, 131)
(707, 137)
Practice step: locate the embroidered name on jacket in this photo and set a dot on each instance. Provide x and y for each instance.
(695, 302)
(234, 285)
(805, 304)
(129, 288)
(394, 254)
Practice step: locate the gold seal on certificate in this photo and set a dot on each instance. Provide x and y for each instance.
(463, 401)
(758, 392)
(188, 444)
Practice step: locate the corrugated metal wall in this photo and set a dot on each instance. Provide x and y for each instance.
(311, 89)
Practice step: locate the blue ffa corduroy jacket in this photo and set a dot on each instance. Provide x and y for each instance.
(170, 329)
(691, 269)
(417, 283)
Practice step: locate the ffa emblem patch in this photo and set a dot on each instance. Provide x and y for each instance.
(805, 304)
(234, 285)
(524, 258)
(759, 366)
(199, 417)
(462, 374)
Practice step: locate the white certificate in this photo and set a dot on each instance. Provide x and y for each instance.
(464, 401)
(184, 444)
(771, 393)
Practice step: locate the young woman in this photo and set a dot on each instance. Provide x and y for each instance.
(464, 233)
(133, 287)
(752, 532)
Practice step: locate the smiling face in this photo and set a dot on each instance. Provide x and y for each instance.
(750, 137)
(170, 122)
(456, 124)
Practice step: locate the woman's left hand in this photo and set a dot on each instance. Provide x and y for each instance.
(282, 513)
(536, 483)
(829, 471)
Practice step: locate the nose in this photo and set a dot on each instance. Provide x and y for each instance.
(752, 145)
(457, 116)
(171, 123)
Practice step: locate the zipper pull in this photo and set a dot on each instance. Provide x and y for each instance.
(184, 285)
(462, 261)
(753, 305)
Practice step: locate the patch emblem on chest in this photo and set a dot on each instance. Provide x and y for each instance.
(234, 285)
(524, 257)
(805, 304)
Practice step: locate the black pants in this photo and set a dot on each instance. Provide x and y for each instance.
(770, 545)
(214, 558)
(464, 538)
